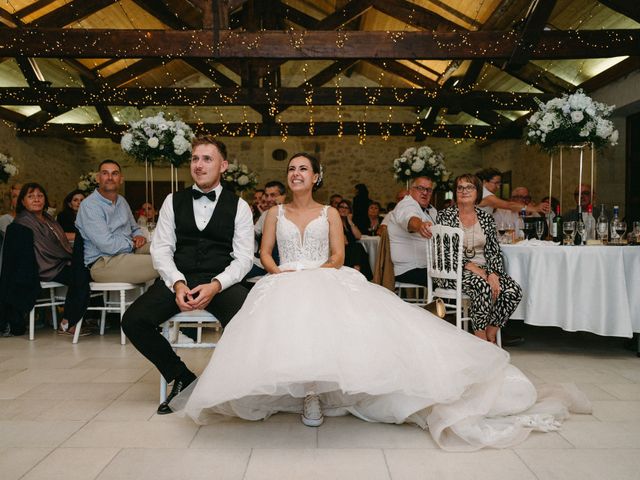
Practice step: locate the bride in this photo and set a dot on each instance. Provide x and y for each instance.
(316, 338)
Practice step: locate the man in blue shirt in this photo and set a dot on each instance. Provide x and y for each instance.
(114, 248)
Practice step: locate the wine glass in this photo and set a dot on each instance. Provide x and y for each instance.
(603, 231)
(620, 227)
(636, 231)
(539, 229)
(502, 229)
(569, 229)
(509, 230)
(581, 228)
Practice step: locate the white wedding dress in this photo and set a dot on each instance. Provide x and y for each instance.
(366, 352)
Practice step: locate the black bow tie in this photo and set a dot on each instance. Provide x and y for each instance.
(198, 194)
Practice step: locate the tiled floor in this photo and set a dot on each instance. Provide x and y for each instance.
(88, 412)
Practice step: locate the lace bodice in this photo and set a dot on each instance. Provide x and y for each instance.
(303, 249)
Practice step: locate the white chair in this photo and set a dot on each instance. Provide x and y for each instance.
(52, 301)
(118, 304)
(171, 331)
(413, 293)
(445, 252)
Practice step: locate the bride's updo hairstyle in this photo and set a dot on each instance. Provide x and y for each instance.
(315, 166)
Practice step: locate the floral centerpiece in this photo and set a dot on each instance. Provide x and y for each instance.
(571, 119)
(88, 182)
(154, 138)
(239, 177)
(421, 162)
(7, 168)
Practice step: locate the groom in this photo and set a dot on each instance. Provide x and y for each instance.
(202, 247)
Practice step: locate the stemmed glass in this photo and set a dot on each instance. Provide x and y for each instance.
(581, 229)
(603, 231)
(502, 229)
(539, 229)
(620, 227)
(636, 231)
(509, 229)
(569, 230)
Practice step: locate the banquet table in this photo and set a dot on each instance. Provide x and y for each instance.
(370, 244)
(588, 288)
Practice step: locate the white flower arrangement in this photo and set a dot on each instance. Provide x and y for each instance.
(8, 169)
(421, 162)
(239, 177)
(154, 138)
(571, 119)
(88, 182)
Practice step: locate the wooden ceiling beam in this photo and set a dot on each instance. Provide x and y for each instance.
(206, 68)
(11, 116)
(427, 123)
(33, 7)
(539, 78)
(73, 97)
(329, 73)
(628, 8)
(129, 73)
(299, 18)
(346, 14)
(611, 74)
(490, 117)
(100, 43)
(405, 72)
(292, 129)
(537, 17)
(415, 15)
(73, 11)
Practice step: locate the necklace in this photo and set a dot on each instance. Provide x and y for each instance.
(469, 250)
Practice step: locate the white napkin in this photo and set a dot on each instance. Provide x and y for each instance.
(534, 242)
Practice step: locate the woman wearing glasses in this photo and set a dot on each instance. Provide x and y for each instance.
(494, 295)
(491, 179)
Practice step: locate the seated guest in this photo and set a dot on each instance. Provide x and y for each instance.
(494, 295)
(374, 220)
(7, 218)
(256, 205)
(52, 252)
(67, 217)
(508, 217)
(110, 234)
(491, 180)
(360, 204)
(582, 197)
(409, 225)
(147, 216)
(334, 200)
(355, 255)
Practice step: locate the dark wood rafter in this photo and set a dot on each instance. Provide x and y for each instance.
(490, 117)
(99, 43)
(160, 10)
(73, 97)
(11, 116)
(537, 18)
(328, 73)
(124, 76)
(539, 78)
(405, 72)
(33, 7)
(9, 18)
(346, 14)
(73, 11)
(612, 74)
(209, 70)
(415, 15)
(628, 8)
(428, 122)
(299, 18)
(292, 129)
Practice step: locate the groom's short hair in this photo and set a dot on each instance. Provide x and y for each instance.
(210, 140)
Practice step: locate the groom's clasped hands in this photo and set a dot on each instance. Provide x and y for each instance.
(197, 298)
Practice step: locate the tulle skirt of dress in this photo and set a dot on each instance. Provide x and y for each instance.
(368, 353)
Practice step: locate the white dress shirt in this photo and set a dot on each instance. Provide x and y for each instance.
(408, 250)
(164, 240)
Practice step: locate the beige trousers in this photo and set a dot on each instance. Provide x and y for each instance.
(127, 267)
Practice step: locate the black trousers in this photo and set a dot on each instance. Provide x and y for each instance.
(78, 293)
(158, 304)
(417, 276)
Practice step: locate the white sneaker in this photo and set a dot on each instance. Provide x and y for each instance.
(312, 412)
(182, 338)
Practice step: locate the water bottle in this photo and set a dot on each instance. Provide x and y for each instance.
(602, 226)
(590, 224)
(613, 234)
(520, 225)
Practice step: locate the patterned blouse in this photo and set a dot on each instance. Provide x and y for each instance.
(451, 218)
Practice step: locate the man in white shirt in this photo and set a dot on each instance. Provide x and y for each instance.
(202, 248)
(409, 225)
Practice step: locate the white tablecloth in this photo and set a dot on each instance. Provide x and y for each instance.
(594, 289)
(370, 245)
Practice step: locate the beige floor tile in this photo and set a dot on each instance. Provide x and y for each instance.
(595, 392)
(25, 408)
(583, 464)
(38, 362)
(142, 391)
(602, 434)
(56, 375)
(578, 375)
(171, 464)
(622, 391)
(24, 433)
(133, 434)
(351, 432)
(6, 374)
(120, 375)
(544, 440)
(78, 391)
(319, 464)
(260, 434)
(617, 411)
(441, 465)
(74, 410)
(631, 374)
(9, 391)
(122, 410)
(114, 362)
(72, 464)
(15, 462)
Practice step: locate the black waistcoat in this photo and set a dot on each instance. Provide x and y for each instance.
(208, 252)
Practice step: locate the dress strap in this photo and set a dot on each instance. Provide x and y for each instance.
(325, 209)
(280, 210)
